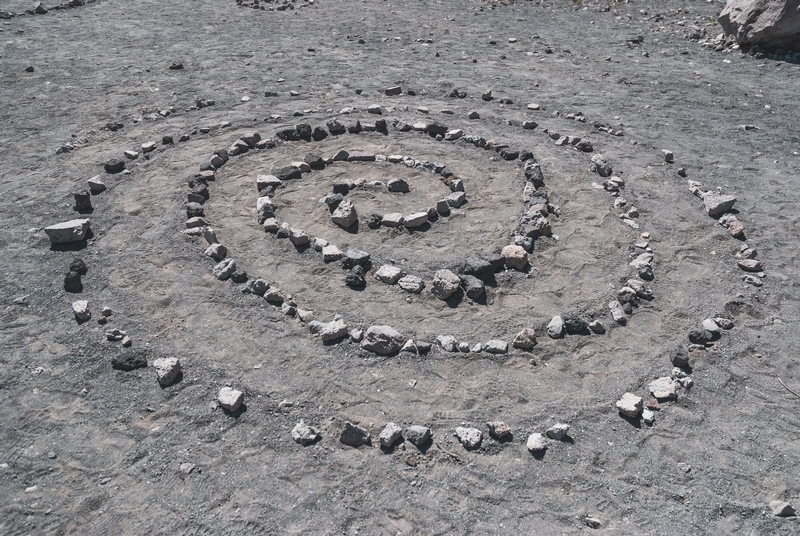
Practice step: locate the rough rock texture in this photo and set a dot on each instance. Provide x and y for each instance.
(770, 23)
(383, 340)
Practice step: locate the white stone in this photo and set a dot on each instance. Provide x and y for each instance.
(417, 219)
(389, 274)
(469, 437)
(69, 231)
(525, 339)
(149, 146)
(262, 181)
(710, 325)
(411, 283)
(617, 312)
(167, 369)
(319, 243)
(630, 405)
(664, 388)
(393, 219)
(558, 431)
(390, 434)
(447, 342)
(555, 329)
(648, 416)
(230, 399)
(81, 310)
(536, 442)
(496, 347)
(224, 269)
(304, 434)
(331, 253)
(445, 284)
(334, 330)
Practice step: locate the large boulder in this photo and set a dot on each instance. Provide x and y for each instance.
(769, 23)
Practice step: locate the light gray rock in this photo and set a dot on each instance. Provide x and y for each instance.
(456, 199)
(717, 204)
(81, 310)
(525, 339)
(382, 340)
(781, 509)
(499, 429)
(516, 257)
(389, 274)
(96, 186)
(230, 399)
(68, 231)
(264, 181)
(555, 329)
(265, 209)
(417, 219)
(390, 434)
(445, 284)
(770, 23)
(496, 347)
(558, 431)
(331, 253)
(345, 214)
(393, 219)
(470, 438)
(411, 283)
(617, 312)
(299, 238)
(447, 342)
(649, 417)
(630, 405)
(334, 330)
(216, 251)
(271, 225)
(224, 269)
(167, 370)
(664, 388)
(710, 325)
(304, 434)
(536, 443)
(417, 434)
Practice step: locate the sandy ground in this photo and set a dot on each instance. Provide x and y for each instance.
(710, 464)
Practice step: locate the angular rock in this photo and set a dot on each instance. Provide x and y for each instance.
(355, 279)
(630, 405)
(299, 238)
(473, 287)
(536, 443)
(555, 329)
(216, 251)
(274, 295)
(445, 284)
(81, 310)
(224, 269)
(664, 388)
(287, 173)
(515, 257)
(72, 282)
(304, 434)
(128, 361)
(782, 509)
(558, 431)
(333, 331)
(718, 204)
(525, 339)
(230, 399)
(679, 357)
(345, 214)
(382, 340)
(331, 253)
(114, 166)
(750, 265)
(496, 347)
(354, 436)
(354, 257)
(456, 199)
(498, 429)
(255, 286)
(470, 438)
(574, 324)
(617, 312)
(769, 23)
(167, 370)
(447, 342)
(480, 268)
(417, 434)
(398, 186)
(70, 231)
(390, 434)
(411, 283)
(265, 209)
(389, 274)
(417, 219)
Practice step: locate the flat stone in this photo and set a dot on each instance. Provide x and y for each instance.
(264, 181)
(354, 257)
(664, 388)
(411, 283)
(299, 237)
(496, 347)
(536, 443)
(525, 339)
(390, 434)
(331, 253)
(470, 438)
(417, 219)
(555, 329)
(230, 399)
(718, 204)
(389, 274)
(333, 331)
(354, 436)
(750, 265)
(480, 268)
(287, 173)
(558, 431)
(96, 186)
(445, 284)
(630, 405)
(361, 156)
(393, 219)
(167, 370)
(69, 231)
(617, 312)
(304, 434)
(271, 225)
(382, 340)
(417, 434)
(81, 310)
(128, 361)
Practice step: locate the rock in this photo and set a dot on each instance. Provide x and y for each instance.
(617, 312)
(115, 335)
(648, 416)
(411, 283)
(96, 186)
(584, 146)
(81, 310)
(473, 115)
(487, 95)
(129, 360)
(224, 269)
(230, 399)
(70, 231)
(750, 265)
(558, 431)
(668, 156)
(480, 268)
(574, 324)
(447, 342)
(724, 323)
(389, 274)
(555, 329)
(361, 156)
(769, 23)
(304, 434)
(267, 181)
(355, 279)
(601, 165)
(464, 347)
(393, 219)
(390, 434)
(354, 436)
(417, 434)
(397, 186)
(700, 336)
(265, 209)
(72, 282)
(630, 405)
(679, 357)
(473, 287)
(717, 204)
(664, 388)
(536, 443)
(456, 199)
(274, 295)
(299, 238)
(255, 286)
(593, 522)
(781, 509)
(216, 251)
(288, 173)
(736, 229)
(445, 284)
(354, 257)
(314, 161)
(417, 219)
(469, 437)
(496, 347)
(83, 201)
(331, 253)
(515, 257)
(194, 210)
(333, 331)
(114, 165)
(710, 325)
(525, 339)
(382, 340)
(167, 370)
(345, 214)
(597, 327)
(498, 429)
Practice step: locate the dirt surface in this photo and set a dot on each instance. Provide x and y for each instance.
(88, 448)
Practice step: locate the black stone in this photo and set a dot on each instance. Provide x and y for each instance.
(315, 161)
(480, 268)
(509, 154)
(115, 165)
(304, 131)
(437, 129)
(335, 127)
(267, 191)
(319, 134)
(167, 140)
(380, 126)
(401, 126)
(288, 134)
(446, 173)
(533, 172)
(700, 336)
(207, 166)
(355, 128)
(341, 187)
(194, 210)
(374, 221)
(223, 153)
(83, 200)
(525, 155)
(194, 198)
(72, 282)
(333, 200)
(197, 181)
(269, 93)
(288, 173)
(129, 360)
(497, 261)
(574, 324)
(628, 308)
(679, 356)
(354, 257)
(200, 189)
(354, 436)
(77, 265)
(239, 276)
(646, 273)
(473, 287)
(113, 127)
(355, 278)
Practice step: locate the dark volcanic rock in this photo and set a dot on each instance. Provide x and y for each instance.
(129, 360)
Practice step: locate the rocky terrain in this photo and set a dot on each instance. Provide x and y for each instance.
(577, 313)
